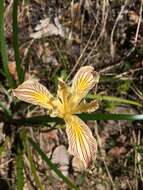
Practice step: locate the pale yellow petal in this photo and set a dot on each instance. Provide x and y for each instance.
(82, 144)
(86, 107)
(63, 95)
(83, 81)
(35, 93)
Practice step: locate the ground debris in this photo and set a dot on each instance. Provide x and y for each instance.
(46, 28)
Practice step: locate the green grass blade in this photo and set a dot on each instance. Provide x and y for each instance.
(106, 116)
(33, 168)
(3, 47)
(113, 99)
(41, 120)
(19, 69)
(3, 145)
(36, 120)
(19, 170)
(18, 146)
(51, 165)
(5, 109)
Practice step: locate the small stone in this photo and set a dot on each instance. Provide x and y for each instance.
(77, 164)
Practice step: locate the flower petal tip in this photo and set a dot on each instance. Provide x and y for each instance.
(82, 144)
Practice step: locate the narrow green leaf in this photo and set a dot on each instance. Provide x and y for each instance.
(106, 116)
(52, 166)
(3, 145)
(19, 169)
(3, 47)
(33, 168)
(19, 162)
(113, 99)
(5, 109)
(41, 120)
(18, 146)
(19, 69)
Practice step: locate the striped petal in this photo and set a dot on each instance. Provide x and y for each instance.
(63, 91)
(35, 93)
(82, 144)
(83, 81)
(86, 107)
(63, 95)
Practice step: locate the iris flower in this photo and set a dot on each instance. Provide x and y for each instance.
(68, 102)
